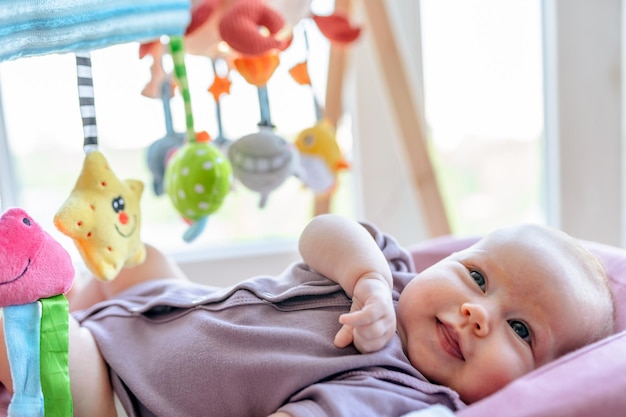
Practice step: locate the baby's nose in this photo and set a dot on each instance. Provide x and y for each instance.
(478, 318)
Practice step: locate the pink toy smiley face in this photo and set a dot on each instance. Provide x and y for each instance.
(32, 264)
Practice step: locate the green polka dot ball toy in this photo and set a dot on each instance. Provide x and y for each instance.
(197, 179)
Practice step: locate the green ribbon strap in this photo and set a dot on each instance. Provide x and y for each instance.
(55, 377)
(177, 48)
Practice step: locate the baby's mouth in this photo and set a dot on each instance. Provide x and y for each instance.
(449, 340)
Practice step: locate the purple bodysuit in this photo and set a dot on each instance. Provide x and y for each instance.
(179, 349)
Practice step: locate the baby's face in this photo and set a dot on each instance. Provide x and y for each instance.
(491, 313)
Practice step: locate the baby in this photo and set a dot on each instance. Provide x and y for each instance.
(351, 331)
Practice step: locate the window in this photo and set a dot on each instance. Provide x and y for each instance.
(483, 91)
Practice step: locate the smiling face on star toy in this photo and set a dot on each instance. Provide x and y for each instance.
(34, 265)
(102, 215)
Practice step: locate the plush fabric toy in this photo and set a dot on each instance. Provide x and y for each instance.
(232, 28)
(237, 23)
(36, 272)
(198, 176)
(34, 265)
(254, 27)
(239, 27)
(31, 28)
(102, 215)
(197, 180)
(262, 161)
(259, 69)
(162, 149)
(320, 157)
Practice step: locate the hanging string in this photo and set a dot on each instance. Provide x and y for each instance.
(264, 106)
(316, 103)
(166, 95)
(220, 139)
(86, 101)
(178, 56)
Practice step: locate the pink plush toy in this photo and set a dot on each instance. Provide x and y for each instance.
(34, 265)
(35, 274)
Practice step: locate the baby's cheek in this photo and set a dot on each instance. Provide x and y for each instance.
(492, 372)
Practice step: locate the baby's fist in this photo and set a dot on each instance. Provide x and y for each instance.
(371, 322)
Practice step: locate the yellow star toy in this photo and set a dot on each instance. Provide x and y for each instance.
(102, 216)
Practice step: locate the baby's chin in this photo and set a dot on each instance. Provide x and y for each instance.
(476, 391)
(472, 397)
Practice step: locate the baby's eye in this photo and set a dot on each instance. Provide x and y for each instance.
(520, 329)
(479, 279)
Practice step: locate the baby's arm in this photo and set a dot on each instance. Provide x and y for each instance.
(343, 251)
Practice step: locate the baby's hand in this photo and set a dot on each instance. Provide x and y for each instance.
(371, 322)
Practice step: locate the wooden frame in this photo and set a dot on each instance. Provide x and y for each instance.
(412, 136)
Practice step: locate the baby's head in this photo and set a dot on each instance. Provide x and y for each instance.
(517, 299)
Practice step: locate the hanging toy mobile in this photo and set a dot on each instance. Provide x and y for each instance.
(321, 158)
(262, 161)
(162, 149)
(198, 176)
(221, 85)
(36, 273)
(102, 214)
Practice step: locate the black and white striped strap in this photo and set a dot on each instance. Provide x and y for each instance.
(86, 100)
